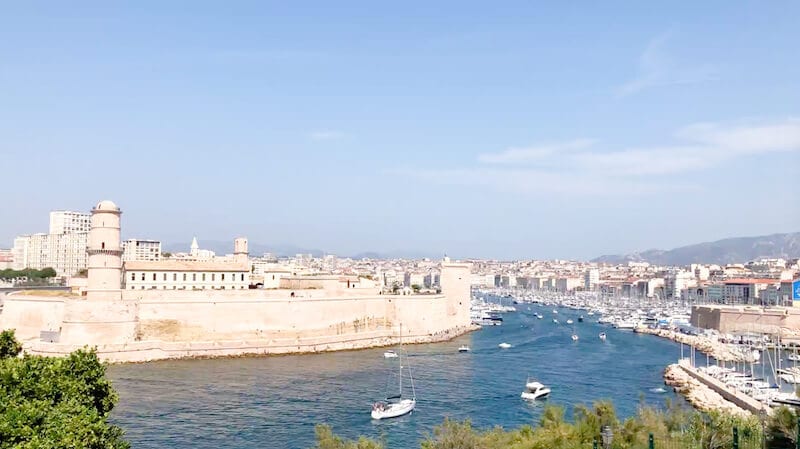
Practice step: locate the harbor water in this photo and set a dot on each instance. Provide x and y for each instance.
(276, 401)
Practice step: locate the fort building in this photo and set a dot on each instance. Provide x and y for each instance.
(148, 310)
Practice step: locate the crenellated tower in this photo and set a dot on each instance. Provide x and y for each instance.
(105, 252)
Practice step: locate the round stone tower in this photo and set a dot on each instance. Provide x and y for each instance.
(240, 250)
(105, 253)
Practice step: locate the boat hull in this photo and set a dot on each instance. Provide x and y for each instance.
(395, 409)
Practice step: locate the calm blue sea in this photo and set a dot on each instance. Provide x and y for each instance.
(276, 401)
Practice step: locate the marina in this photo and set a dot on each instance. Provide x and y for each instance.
(247, 402)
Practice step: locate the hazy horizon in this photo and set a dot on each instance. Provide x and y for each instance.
(512, 131)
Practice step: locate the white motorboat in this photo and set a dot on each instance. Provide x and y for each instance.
(390, 354)
(555, 320)
(602, 336)
(555, 311)
(590, 313)
(463, 348)
(504, 345)
(534, 390)
(570, 321)
(395, 405)
(539, 315)
(794, 357)
(574, 337)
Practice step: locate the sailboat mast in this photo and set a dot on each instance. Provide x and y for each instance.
(401, 360)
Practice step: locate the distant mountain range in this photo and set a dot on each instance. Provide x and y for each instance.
(222, 247)
(733, 250)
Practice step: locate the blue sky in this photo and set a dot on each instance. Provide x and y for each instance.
(510, 130)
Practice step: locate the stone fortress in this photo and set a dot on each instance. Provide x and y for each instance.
(142, 311)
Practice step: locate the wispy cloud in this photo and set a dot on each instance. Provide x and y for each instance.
(326, 135)
(527, 154)
(657, 69)
(579, 167)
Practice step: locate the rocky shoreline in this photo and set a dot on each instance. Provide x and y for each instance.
(699, 395)
(720, 351)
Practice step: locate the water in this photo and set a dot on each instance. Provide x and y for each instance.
(276, 401)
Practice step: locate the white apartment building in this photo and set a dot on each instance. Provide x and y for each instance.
(676, 281)
(591, 278)
(141, 250)
(69, 222)
(65, 253)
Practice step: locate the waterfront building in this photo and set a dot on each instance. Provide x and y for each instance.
(141, 250)
(677, 281)
(591, 279)
(744, 291)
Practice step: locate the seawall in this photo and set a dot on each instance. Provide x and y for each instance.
(144, 351)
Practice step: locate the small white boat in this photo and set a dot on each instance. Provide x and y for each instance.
(590, 313)
(795, 357)
(534, 390)
(602, 336)
(539, 315)
(555, 320)
(390, 354)
(383, 410)
(463, 348)
(570, 322)
(504, 345)
(555, 311)
(574, 337)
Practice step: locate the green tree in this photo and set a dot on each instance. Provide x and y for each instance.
(47, 273)
(9, 346)
(327, 440)
(57, 403)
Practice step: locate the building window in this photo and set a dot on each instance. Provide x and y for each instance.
(133, 276)
(213, 276)
(222, 277)
(194, 276)
(204, 276)
(242, 277)
(174, 276)
(184, 277)
(142, 276)
(154, 276)
(165, 276)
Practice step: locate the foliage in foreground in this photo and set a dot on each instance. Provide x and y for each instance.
(673, 427)
(55, 402)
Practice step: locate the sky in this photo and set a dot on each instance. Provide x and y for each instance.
(503, 130)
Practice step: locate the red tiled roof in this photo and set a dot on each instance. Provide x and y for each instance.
(751, 281)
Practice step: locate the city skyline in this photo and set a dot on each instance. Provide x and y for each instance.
(508, 133)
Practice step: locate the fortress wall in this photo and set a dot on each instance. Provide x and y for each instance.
(736, 319)
(182, 319)
(29, 315)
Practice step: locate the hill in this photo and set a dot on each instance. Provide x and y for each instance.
(732, 250)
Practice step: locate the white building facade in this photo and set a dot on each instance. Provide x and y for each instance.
(69, 222)
(141, 250)
(185, 275)
(65, 253)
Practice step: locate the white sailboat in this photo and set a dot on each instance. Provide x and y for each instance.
(396, 405)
